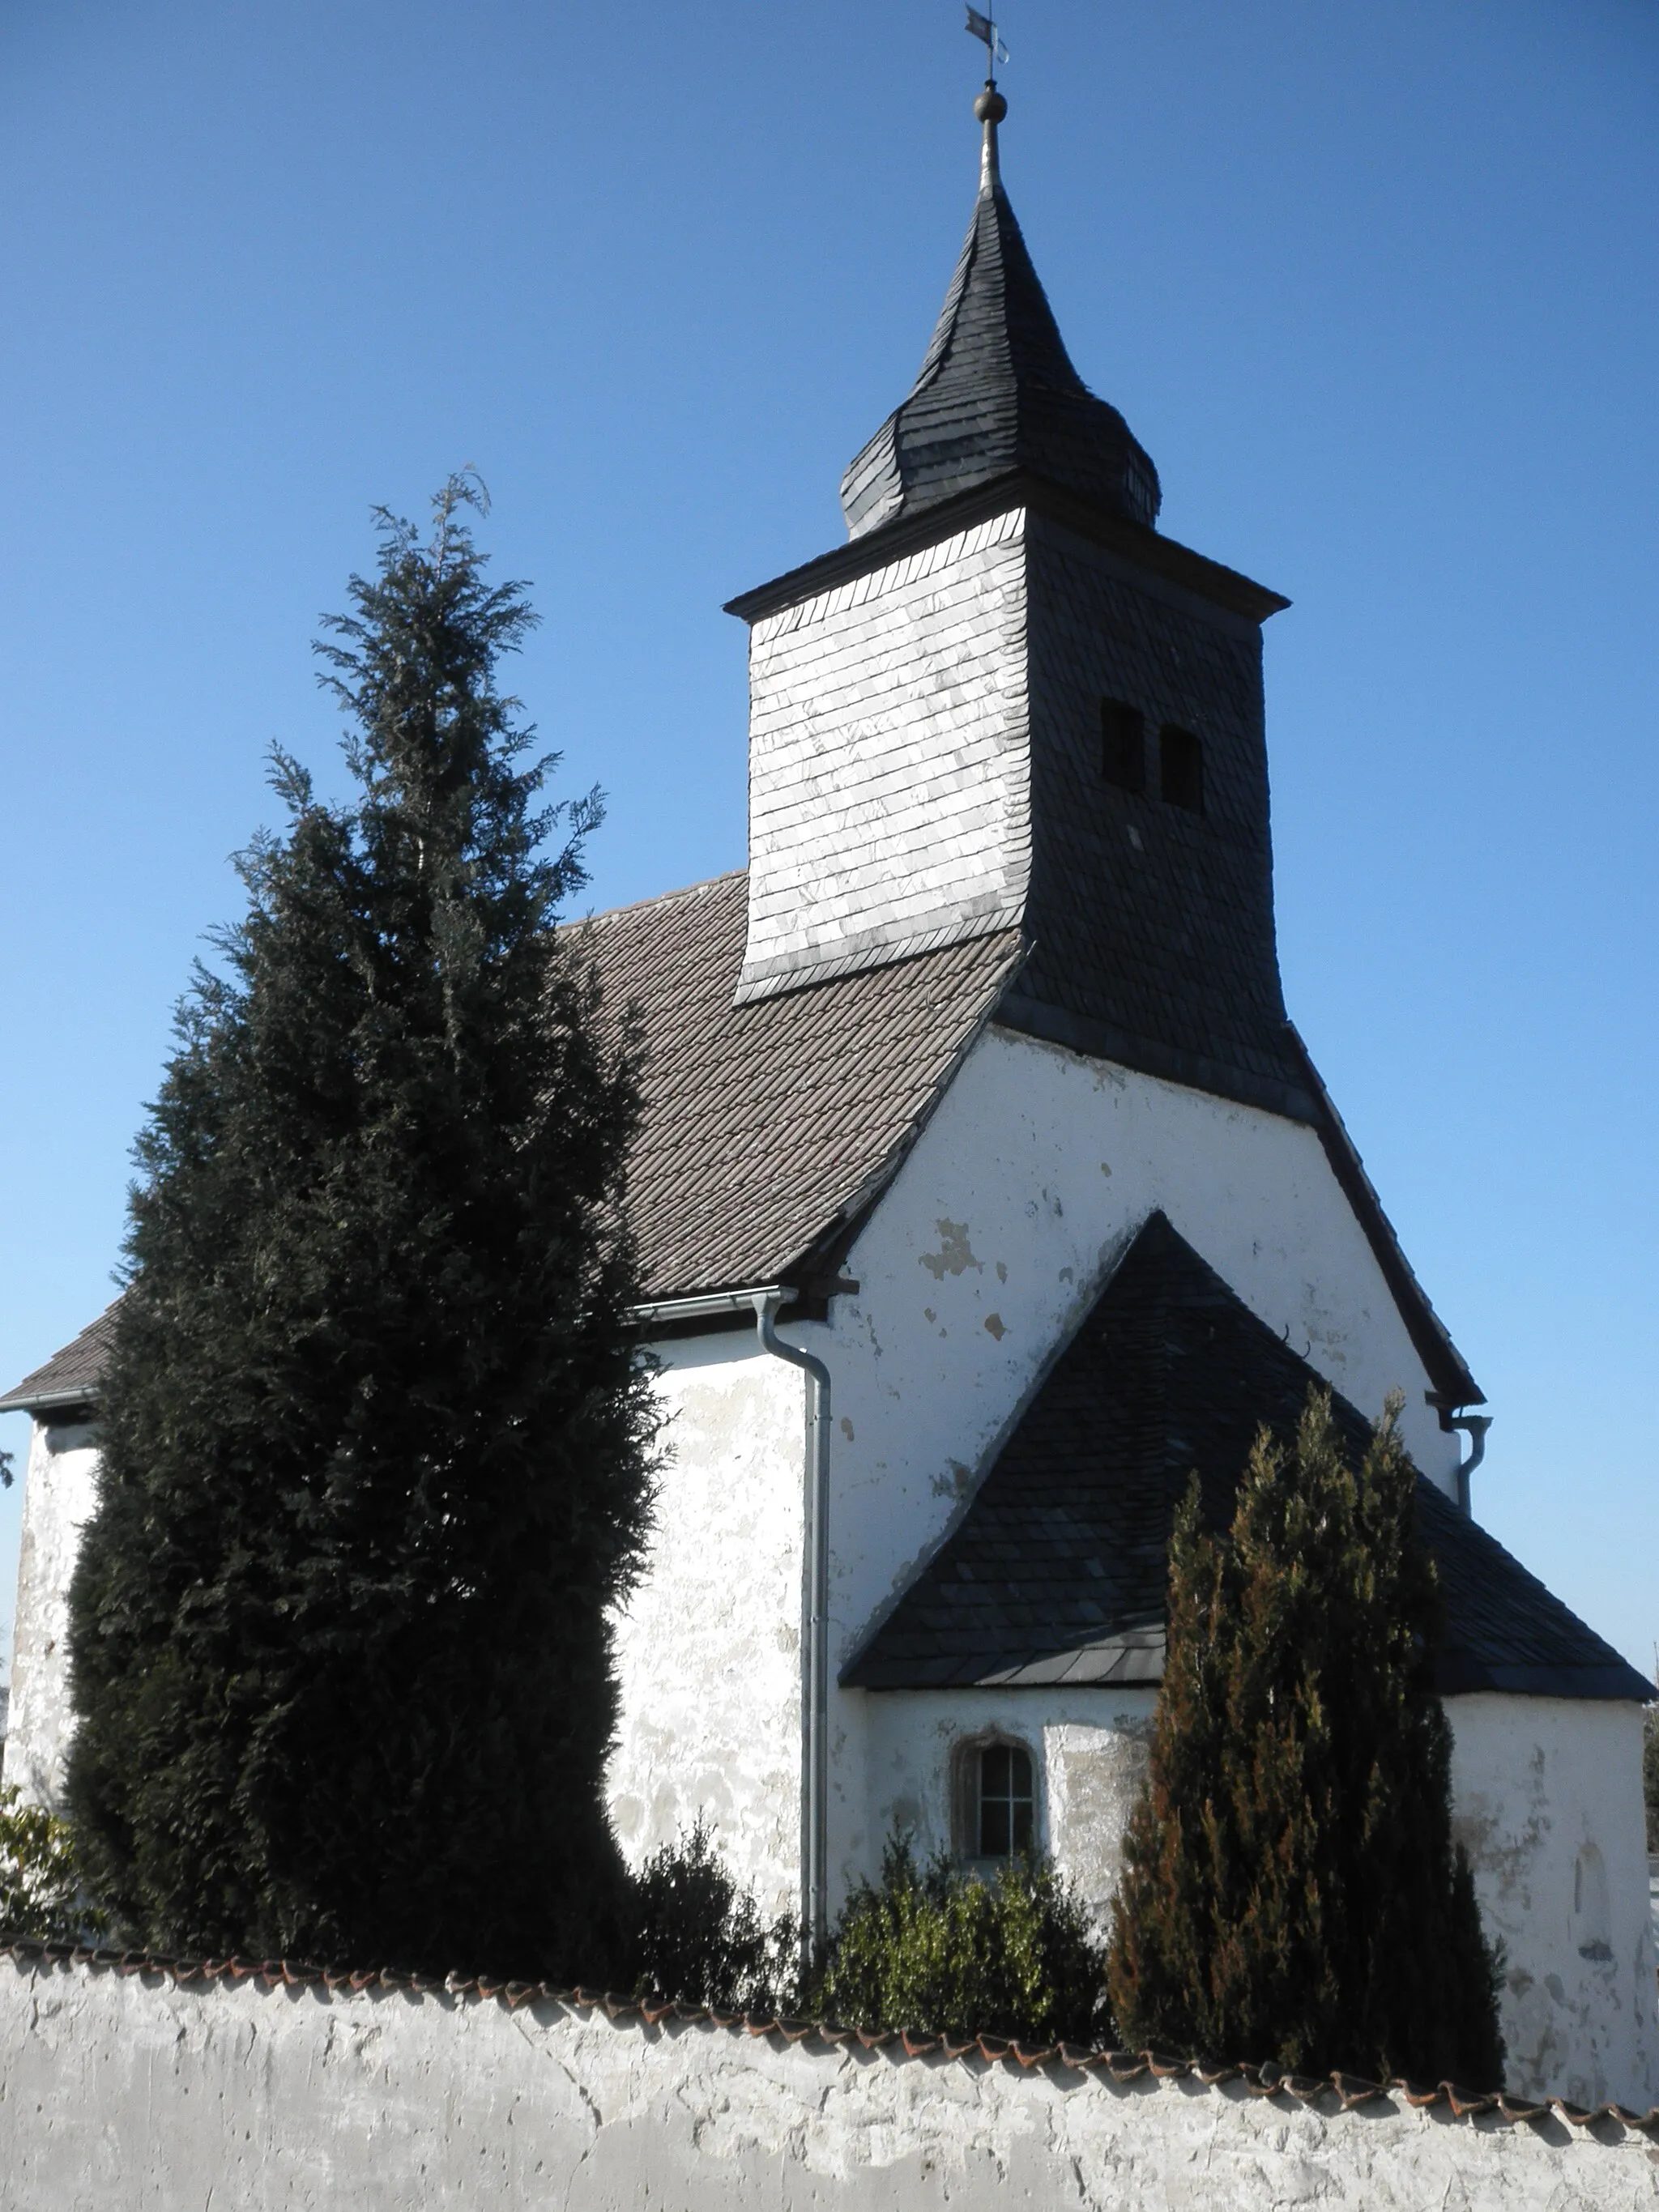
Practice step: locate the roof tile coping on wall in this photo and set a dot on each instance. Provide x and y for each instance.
(1347, 2091)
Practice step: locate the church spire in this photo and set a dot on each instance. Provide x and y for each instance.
(997, 391)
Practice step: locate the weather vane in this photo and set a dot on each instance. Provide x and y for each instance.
(984, 28)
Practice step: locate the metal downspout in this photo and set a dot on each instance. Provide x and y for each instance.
(815, 1593)
(1474, 1426)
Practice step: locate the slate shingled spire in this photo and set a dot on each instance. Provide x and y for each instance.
(997, 391)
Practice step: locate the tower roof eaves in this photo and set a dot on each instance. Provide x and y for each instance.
(1150, 548)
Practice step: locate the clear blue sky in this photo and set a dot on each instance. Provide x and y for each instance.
(1376, 286)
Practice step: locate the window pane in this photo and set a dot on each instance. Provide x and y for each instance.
(1022, 1838)
(993, 1828)
(1019, 1777)
(993, 1770)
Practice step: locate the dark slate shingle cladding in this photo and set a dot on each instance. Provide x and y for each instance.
(996, 391)
(1152, 925)
(1057, 1572)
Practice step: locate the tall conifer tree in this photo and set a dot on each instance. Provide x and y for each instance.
(376, 1458)
(1291, 1890)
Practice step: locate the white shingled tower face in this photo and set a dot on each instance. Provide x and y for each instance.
(889, 762)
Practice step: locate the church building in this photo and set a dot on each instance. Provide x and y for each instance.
(985, 1193)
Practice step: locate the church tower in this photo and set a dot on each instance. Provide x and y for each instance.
(1008, 700)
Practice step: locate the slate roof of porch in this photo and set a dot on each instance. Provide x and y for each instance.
(1056, 1572)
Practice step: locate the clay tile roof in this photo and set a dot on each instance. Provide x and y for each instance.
(71, 1377)
(1056, 1573)
(769, 1126)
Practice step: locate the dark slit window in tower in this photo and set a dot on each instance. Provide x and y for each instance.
(1122, 745)
(1181, 768)
(1007, 1823)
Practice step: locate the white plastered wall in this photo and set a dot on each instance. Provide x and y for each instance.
(980, 1261)
(59, 1493)
(1088, 1753)
(996, 1236)
(1548, 1792)
(708, 1646)
(888, 775)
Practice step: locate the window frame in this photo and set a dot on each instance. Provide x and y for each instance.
(967, 1772)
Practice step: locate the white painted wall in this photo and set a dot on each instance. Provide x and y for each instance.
(889, 769)
(1020, 1196)
(133, 2094)
(60, 1490)
(708, 1646)
(1089, 1757)
(1548, 1804)
(1026, 1187)
(1548, 1793)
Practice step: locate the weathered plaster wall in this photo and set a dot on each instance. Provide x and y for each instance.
(708, 1646)
(1022, 1193)
(1548, 1794)
(888, 776)
(1548, 1805)
(135, 2095)
(58, 1496)
(1089, 1755)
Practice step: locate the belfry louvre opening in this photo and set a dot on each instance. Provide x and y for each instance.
(1181, 768)
(1122, 745)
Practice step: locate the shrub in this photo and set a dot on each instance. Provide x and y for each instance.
(702, 1938)
(40, 1892)
(940, 1951)
(1291, 1890)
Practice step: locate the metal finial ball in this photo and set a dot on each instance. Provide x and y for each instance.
(990, 106)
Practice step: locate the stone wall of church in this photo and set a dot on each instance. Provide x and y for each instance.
(59, 1493)
(888, 765)
(991, 1244)
(1548, 1793)
(708, 1646)
(130, 2091)
(1035, 1171)
(1088, 1751)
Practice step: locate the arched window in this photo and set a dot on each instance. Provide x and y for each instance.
(1181, 768)
(1007, 1808)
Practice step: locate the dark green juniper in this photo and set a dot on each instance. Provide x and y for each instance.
(376, 1456)
(1291, 1890)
